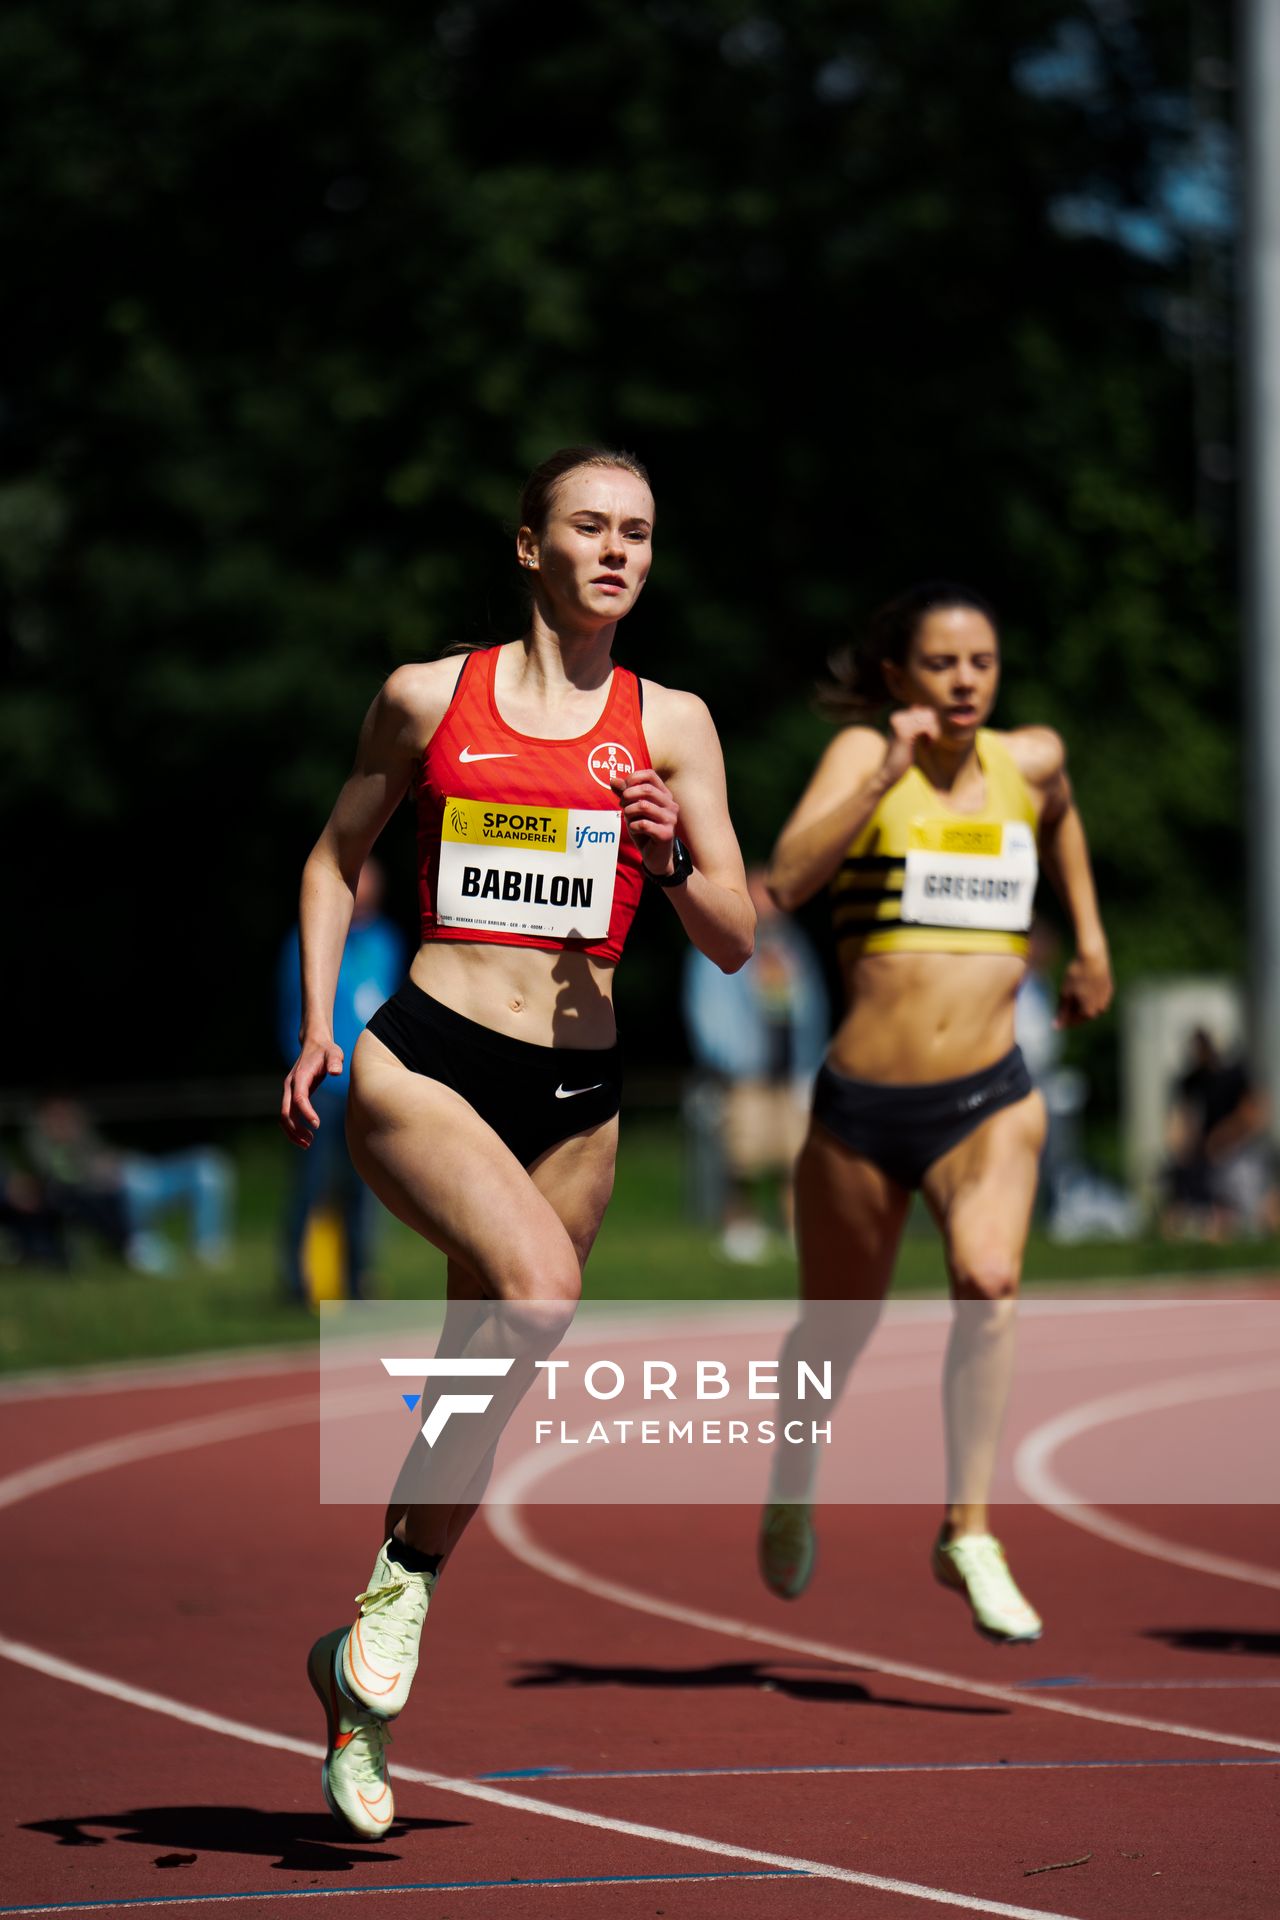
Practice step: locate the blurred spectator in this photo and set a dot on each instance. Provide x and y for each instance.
(1036, 1008)
(373, 965)
(1220, 1178)
(31, 1225)
(1063, 1088)
(762, 1032)
(121, 1197)
(1074, 1202)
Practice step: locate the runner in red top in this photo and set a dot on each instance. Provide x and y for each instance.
(482, 789)
(484, 1095)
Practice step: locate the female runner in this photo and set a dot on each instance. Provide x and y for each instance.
(929, 841)
(484, 1095)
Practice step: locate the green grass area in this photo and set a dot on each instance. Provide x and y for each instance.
(647, 1249)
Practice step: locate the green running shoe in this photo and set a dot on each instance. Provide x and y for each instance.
(788, 1547)
(379, 1655)
(974, 1564)
(354, 1774)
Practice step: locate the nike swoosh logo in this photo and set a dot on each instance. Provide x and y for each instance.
(337, 1740)
(370, 1806)
(355, 1639)
(468, 756)
(567, 1093)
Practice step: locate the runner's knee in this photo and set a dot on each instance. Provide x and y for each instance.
(546, 1273)
(984, 1275)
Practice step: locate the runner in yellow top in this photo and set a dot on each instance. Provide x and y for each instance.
(930, 841)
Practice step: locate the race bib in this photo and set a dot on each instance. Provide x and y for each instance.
(510, 868)
(970, 873)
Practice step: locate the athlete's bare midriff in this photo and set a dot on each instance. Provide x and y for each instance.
(915, 1017)
(552, 999)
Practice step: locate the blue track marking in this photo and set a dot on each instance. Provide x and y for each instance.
(552, 1776)
(1057, 1680)
(414, 1886)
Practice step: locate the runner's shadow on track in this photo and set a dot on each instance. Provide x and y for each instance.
(757, 1675)
(1217, 1640)
(298, 1840)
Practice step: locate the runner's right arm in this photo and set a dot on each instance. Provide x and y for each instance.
(399, 723)
(858, 768)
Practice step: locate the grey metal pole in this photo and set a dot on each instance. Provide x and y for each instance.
(1258, 67)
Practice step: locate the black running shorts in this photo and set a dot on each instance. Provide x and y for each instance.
(904, 1129)
(533, 1097)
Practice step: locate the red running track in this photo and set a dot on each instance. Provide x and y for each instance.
(613, 1718)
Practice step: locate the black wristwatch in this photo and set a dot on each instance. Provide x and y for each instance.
(682, 866)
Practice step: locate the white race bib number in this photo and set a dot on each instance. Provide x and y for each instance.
(977, 874)
(510, 868)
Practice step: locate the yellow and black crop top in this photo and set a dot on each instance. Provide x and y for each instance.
(920, 878)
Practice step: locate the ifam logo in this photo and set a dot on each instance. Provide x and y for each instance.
(447, 1404)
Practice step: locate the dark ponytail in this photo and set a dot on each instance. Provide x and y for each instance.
(855, 688)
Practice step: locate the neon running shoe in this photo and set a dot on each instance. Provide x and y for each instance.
(974, 1564)
(354, 1775)
(788, 1547)
(379, 1654)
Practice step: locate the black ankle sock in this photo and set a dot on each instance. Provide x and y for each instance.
(406, 1556)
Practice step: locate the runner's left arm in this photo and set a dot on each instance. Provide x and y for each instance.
(685, 795)
(1087, 985)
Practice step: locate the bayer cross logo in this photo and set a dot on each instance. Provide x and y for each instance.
(607, 762)
(448, 1403)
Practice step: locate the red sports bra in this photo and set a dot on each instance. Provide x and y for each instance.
(521, 841)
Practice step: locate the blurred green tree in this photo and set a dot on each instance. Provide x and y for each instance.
(880, 289)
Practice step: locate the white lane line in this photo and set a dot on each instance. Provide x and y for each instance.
(509, 1529)
(186, 1434)
(240, 1422)
(506, 1523)
(181, 1370)
(37, 1661)
(1034, 1472)
(119, 1376)
(101, 1456)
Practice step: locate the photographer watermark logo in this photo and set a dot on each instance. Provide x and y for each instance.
(447, 1404)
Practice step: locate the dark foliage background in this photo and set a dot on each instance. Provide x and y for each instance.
(298, 291)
